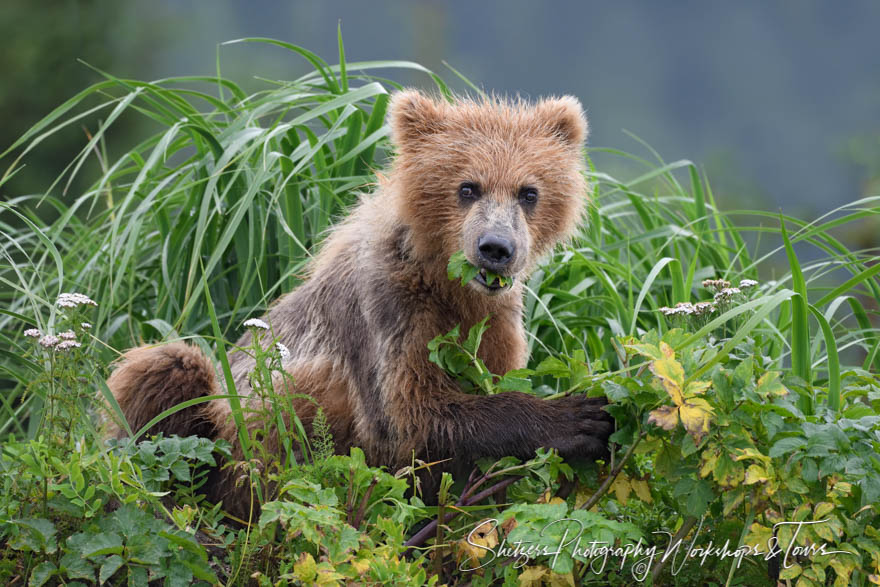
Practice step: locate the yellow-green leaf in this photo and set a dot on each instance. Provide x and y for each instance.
(791, 572)
(531, 576)
(696, 388)
(361, 565)
(695, 415)
(560, 580)
(671, 375)
(843, 565)
(771, 384)
(709, 459)
(800, 513)
(732, 499)
(646, 350)
(840, 489)
(758, 536)
(815, 574)
(756, 474)
(751, 453)
(621, 488)
(823, 531)
(328, 575)
(642, 489)
(804, 581)
(823, 508)
(305, 569)
(665, 416)
(728, 473)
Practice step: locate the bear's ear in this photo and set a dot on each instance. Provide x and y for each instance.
(412, 116)
(563, 118)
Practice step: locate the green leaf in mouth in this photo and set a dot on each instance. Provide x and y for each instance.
(460, 268)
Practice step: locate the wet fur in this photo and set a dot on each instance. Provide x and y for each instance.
(377, 292)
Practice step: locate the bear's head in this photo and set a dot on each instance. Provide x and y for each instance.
(500, 179)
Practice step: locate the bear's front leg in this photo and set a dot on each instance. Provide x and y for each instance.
(433, 418)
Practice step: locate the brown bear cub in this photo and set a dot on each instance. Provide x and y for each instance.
(501, 180)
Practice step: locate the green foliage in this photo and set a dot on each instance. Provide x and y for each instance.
(460, 268)
(91, 513)
(348, 516)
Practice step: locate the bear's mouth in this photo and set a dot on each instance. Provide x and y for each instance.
(498, 283)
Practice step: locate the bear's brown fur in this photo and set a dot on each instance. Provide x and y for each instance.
(463, 178)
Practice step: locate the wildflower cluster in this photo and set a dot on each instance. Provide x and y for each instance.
(689, 309)
(716, 284)
(269, 381)
(74, 300)
(256, 323)
(697, 314)
(283, 352)
(68, 365)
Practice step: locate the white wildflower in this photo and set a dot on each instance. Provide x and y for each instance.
(702, 308)
(726, 294)
(685, 308)
(669, 311)
(33, 333)
(747, 283)
(49, 341)
(68, 335)
(67, 344)
(716, 284)
(256, 323)
(73, 300)
(283, 351)
(85, 325)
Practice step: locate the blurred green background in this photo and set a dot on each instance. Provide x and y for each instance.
(778, 101)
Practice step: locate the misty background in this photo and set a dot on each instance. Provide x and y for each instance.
(778, 101)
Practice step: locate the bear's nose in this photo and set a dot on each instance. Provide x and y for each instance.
(496, 250)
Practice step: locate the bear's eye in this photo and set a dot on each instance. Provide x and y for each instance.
(528, 195)
(469, 191)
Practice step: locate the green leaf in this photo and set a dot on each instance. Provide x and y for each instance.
(101, 544)
(146, 550)
(181, 470)
(833, 360)
(41, 573)
(554, 367)
(185, 542)
(770, 384)
(787, 445)
(76, 567)
(460, 268)
(475, 336)
(800, 331)
(512, 383)
(699, 493)
(109, 567)
(178, 575)
(39, 535)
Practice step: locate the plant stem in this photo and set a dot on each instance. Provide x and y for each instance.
(682, 532)
(422, 535)
(362, 510)
(603, 489)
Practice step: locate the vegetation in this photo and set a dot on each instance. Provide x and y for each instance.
(737, 407)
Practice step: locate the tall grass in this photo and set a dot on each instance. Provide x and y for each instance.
(650, 241)
(209, 219)
(232, 195)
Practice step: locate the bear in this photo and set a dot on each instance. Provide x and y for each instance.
(500, 179)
